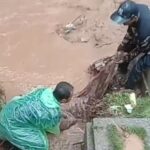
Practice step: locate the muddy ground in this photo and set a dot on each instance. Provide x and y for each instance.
(35, 51)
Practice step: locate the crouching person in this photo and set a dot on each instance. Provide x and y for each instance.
(25, 120)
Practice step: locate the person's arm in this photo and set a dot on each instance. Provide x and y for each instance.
(67, 121)
(49, 120)
(127, 43)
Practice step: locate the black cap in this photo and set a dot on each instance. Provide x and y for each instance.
(125, 12)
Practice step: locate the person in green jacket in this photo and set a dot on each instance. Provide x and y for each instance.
(25, 120)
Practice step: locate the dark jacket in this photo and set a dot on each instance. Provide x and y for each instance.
(138, 35)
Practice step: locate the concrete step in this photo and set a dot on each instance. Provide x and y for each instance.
(96, 137)
(89, 138)
(100, 136)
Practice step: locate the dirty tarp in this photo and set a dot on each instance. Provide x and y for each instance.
(25, 120)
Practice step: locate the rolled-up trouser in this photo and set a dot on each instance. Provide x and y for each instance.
(136, 72)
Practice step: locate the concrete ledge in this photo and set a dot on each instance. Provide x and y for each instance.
(97, 131)
(89, 138)
(100, 129)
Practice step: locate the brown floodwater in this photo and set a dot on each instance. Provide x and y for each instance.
(32, 53)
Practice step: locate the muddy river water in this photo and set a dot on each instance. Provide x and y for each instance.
(32, 53)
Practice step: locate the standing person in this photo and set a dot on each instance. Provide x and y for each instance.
(136, 43)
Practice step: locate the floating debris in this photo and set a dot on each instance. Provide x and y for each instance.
(69, 27)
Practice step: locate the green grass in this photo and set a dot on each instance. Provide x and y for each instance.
(142, 109)
(140, 132)
(2, 103)
(115, 138)
(2, 97)
(117, 141)
(118, 99)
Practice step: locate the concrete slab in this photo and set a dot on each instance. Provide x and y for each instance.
(89, 138)
(100, 129)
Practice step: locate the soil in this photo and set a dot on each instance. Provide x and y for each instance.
(133, 142)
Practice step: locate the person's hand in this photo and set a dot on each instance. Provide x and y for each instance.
(68, 120)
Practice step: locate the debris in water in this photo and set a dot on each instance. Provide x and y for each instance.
(69, 27)
(84, 39)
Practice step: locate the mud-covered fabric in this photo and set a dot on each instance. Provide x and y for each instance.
(25, 120)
